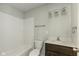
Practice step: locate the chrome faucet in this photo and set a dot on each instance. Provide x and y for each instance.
(58, 39)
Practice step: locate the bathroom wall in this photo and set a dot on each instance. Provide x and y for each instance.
(78, 27)
(29, 32)
(75, 22)
(11, 31)
(74, 17)
(60, 25)
(63, 23)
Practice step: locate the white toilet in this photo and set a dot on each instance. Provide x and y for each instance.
(37, 50)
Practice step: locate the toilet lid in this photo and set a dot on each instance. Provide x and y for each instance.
(35, 52)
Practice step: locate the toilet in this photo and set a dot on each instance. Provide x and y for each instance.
(37, 49)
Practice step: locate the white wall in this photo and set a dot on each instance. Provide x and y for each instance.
(78, 27)
(63, 23)
(60, 26)
(11, 32)
(29, 32)
(74, 21)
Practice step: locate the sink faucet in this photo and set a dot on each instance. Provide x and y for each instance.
(58, 39)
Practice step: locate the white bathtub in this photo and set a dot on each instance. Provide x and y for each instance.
(21, 51)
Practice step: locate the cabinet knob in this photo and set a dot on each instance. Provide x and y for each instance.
(76, 49)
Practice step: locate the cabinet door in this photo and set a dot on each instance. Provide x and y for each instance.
(50, 53)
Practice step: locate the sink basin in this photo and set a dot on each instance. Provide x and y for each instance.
(56, 41)
(64, 43)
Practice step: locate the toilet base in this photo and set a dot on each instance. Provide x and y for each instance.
(35, 52)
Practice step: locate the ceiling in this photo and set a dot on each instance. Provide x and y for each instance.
(24, 6)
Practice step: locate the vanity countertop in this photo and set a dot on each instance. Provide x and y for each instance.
(63, 43)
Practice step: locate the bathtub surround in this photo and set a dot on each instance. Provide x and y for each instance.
(12, 32)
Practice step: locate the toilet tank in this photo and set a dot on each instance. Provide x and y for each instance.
(38, 44)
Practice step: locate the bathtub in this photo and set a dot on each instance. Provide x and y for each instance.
(21, 51)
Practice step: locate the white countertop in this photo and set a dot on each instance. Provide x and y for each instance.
(63, 43)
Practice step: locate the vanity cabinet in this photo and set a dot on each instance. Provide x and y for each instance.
(58, 50)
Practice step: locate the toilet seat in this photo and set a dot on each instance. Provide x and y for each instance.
(35, 52)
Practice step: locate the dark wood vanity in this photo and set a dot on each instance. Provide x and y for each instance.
(59, 50)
